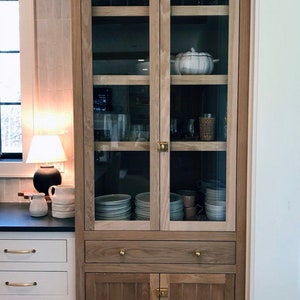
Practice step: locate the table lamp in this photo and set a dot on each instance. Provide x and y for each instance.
(46, 150)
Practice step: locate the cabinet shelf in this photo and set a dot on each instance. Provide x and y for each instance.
(141, 11)
(175, 146)
(175, 79)
(120, 11)
(200, 10)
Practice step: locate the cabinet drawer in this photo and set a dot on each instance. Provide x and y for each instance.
(33, 283)
(160, 252)
(33, 250)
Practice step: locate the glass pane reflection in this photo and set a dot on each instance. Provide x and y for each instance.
(201, 176)
(121, 113)
(116, 51)
(124, 174)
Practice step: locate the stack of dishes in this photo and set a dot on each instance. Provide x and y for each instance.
(215, 204)
(142, 206)
(113, 207)
(176, 207)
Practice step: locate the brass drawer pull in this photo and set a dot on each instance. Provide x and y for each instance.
(19, 251)
(20, 284)
(197, 253)
(122, 252)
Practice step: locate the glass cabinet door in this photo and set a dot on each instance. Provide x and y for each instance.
(199, 114)
(160, 114)
(124, 70)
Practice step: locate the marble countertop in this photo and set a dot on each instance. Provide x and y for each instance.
(16, 217)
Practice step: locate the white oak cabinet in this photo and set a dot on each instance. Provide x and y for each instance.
(37, 265)
(149, 129)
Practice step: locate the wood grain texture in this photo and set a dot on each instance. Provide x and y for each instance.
(160, 252)
(117, 286)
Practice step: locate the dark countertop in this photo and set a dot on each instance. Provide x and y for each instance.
(16, 217)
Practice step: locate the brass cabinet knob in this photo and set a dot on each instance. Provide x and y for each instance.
(163, 146)
(122, 252)
(197, 253)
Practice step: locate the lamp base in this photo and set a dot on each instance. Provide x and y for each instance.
(44, 177)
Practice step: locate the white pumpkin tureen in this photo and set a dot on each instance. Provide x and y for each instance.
(194, 63)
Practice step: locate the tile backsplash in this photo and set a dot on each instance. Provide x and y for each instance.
(9, 188)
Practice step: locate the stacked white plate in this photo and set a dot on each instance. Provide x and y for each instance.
(142, 206)
(113, 207)
(63, 208)
(215, 204)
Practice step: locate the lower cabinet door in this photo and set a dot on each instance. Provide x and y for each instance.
(120, 286)
(198, 286)
(137, 286)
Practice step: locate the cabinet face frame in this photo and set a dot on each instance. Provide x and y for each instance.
(159, 13)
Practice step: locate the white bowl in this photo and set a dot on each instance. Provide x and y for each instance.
(215, 217)
(145, 197)
(112, 199)
(215, 202)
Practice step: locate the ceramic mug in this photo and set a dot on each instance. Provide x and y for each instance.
(62, 194)
(188, 197)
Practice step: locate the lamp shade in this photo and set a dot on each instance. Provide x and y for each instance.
(46, 149)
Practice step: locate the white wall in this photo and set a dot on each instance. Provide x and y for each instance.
(275, 203)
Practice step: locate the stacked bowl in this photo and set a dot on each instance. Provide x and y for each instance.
(142, 206)
(113, 207)
(215, 203)
(176, 207)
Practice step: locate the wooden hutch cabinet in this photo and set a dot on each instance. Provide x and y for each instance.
(160, 116)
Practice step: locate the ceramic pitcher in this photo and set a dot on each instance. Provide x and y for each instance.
(38, 205)
(62, 194)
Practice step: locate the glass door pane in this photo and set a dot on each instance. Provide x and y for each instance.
(121, 112)
(199, 67)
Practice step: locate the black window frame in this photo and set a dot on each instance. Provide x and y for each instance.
(9, 156)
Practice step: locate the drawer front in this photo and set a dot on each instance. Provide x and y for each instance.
(160, 252)
(32, 250)
(33, 283)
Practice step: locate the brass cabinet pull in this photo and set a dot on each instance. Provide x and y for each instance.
(19, 251)
(122, 252)
(163, 146)
(162, 293)
(197, 253)
(20, 284)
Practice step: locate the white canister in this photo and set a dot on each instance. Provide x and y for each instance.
(38, 205)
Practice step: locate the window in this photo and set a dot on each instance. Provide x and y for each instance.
(10, 88)
(17, 46)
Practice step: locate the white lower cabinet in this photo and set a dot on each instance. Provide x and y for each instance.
(37, 265)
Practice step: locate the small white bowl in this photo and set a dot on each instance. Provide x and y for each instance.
(215, 217)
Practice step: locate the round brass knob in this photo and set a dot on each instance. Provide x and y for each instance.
(122, 252)
(197, 253)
